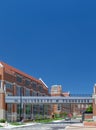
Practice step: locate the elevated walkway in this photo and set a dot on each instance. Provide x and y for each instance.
(48, 99)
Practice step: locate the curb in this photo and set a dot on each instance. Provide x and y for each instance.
(20, 126)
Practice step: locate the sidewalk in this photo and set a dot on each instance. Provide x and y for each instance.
(79, 127)
(9, 126)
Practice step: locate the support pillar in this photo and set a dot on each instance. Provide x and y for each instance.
(94, 103)
(2, 104)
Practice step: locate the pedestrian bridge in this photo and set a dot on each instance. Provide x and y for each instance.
(47, 99)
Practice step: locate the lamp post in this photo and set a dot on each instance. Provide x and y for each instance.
(20, 103)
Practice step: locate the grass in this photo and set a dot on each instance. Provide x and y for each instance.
(89, 120)
(37, 120)
(16, 123)
(47, 120)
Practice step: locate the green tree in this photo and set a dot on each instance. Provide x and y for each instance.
(89, 109)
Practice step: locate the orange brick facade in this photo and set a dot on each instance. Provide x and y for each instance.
(74, 109)
(15, 83)
(56, 90)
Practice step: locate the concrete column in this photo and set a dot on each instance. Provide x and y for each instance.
(14, 106)
(2, 84)
(2, 104)
(94, 103)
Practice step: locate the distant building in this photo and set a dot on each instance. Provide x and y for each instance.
(75, 108)
(56, 90)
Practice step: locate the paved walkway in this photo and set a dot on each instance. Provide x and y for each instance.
(79, 127)
(7, 125)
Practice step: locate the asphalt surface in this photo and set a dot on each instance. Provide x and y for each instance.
(57, 125)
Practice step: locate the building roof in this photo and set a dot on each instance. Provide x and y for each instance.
(12, 70)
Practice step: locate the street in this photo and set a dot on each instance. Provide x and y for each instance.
(57, 125)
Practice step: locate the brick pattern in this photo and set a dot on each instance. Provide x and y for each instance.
(8, 74)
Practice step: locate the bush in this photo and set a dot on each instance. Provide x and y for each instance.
(2, 120)
(57, 115)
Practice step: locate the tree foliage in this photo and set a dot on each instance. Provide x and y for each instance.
(89, 109)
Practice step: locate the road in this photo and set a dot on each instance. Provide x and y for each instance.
(58, 125)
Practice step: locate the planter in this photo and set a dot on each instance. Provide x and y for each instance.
(89, 123)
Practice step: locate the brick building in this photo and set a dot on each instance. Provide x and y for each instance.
(94, 103)
(75, 108)
(13, 82)
(56, 90)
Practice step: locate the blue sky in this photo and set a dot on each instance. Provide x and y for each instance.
(54, 40)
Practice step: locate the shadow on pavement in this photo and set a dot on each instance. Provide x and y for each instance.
(63, 122)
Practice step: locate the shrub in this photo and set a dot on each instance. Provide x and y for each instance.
(2, 120)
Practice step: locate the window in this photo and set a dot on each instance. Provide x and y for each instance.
(33, 85)
(27, 82)
(39, 94)
(9, 108)
(34, 94)
(40, 88)
(19, 79)
(8, 86)
(28, 109)
(59, 107)
(55, 90)
(27, 92)
(19, 91)
(9, 94)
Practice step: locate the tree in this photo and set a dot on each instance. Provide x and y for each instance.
(89, 109)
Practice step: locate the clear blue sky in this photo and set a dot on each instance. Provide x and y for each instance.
(51, 39)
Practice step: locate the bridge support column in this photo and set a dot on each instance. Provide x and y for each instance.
(94, 103)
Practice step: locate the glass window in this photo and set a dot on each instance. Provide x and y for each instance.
(40, 88)
(27, 82)
(28, 109)
(9, 108)
(19, 91)
(8, 86)
(59, 106)
(34, 85)
(34, 94)
(19, 79)
(9, 94)
(27, 92)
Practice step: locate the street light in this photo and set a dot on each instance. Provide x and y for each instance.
(21, 103)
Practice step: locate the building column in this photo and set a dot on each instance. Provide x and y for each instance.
(14, 106)
(2, 104)
(94, 103)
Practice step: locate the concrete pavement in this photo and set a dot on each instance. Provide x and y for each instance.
(77, 127)
(57, 124)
